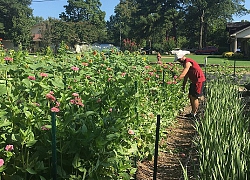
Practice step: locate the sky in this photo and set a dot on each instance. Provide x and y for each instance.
(52, 8)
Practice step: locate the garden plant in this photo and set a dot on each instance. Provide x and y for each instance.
(104, 105)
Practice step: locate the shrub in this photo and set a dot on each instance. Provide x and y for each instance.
(227, 54)
(238, 55)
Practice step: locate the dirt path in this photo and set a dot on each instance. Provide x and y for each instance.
(178, 148)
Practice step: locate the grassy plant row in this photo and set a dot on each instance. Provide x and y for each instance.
(224, 139)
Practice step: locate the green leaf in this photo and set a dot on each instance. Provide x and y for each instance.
(3, 89)
(58, 83)
(133, 148)
(4, 123)
(27, 83)
(31, 143)
(31, 171)
(76, 161)
(42, 178)
(88, 113)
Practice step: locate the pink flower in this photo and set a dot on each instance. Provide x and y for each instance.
(9, 147)
(75, 94)
(131, 132)
(74, 68)
(1, 162)
(159, 62)
(109, 79)
(43, 74)
(44, 128)
(123, 74)
(147, 67)
(169, 82)
(57, 104)
(8, 59)
(72, 101)
(36, 104)
(151, 73)
(55, 109)
(157, 76)
(175, 77)
(110, 109)
(51, 92)
(50, 97)
(31, 77)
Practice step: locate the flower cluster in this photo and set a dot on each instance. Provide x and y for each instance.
(50, 96)
(77, 100)
(8, 147)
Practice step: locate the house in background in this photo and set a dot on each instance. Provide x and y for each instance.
(36, 32)
(239, 37)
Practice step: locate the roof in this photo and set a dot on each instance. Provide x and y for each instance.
(236, 26)
(243, 33)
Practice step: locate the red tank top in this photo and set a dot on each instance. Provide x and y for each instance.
(195, 73)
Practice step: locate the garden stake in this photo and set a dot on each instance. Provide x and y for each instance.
(163, 77)
(205, 66)
(156, 146)
(234, 66)
(54, 160)
(136, 111)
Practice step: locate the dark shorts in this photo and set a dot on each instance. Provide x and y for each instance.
(196, 89)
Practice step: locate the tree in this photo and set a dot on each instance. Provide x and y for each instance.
(211, 12)
(15, 21)
(88, 12)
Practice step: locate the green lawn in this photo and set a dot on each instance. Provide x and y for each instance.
(215, 59)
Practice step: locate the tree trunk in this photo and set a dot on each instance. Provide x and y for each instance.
(201, 29)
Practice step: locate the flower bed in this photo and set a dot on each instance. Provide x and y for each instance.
(105, 108)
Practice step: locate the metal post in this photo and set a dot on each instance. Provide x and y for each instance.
(156, 146)
(54, 159)
(234, 66)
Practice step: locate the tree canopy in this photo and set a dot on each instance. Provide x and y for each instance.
(15, 20)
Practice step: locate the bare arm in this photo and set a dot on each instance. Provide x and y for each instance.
(185, 70)
(183, 75)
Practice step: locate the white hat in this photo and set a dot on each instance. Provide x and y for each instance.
(179, 55)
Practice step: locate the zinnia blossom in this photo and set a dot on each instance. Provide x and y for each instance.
(8, 59)
(31, 77)
(74, 68)
(9, 147)
(43, 74)
(85, 64)
(131, 132)
(55, 109)
(1, 162)
(50, 97)
(75, 94)
(44, 128)
(123, 74)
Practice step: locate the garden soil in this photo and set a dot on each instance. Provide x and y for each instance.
(177, 148)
